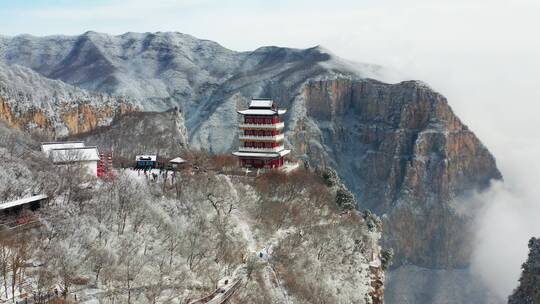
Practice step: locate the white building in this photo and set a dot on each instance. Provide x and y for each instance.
(46, 147)
(73, 153)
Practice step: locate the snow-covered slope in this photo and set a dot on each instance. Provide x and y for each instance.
(137, 240)
(174, 69)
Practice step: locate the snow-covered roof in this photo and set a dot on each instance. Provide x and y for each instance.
(258, 112)
(257, 154)
(22, 201)
(284, 152)
(177, 160)
(77, 154)
(261, 103)
(262, 107)
(46, 147)
(146, 157)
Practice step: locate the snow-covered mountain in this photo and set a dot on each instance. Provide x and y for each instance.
(399, 147)
(173, 69)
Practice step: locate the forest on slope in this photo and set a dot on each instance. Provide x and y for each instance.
(135, 240)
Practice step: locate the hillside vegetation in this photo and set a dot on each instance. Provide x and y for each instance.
(133, 240)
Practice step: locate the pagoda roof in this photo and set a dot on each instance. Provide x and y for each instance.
(262, 112)
(261, 103)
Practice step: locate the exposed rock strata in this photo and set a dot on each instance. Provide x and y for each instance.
(405, 154)
(136, 133)
(29, 101)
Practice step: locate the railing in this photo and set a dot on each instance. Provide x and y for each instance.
(275, 126)
(263, 138)
(253, 149)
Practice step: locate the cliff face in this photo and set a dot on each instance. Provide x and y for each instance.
(136, 133)
(29, 101)
(71, 120)
(405, 154)
(528, 291)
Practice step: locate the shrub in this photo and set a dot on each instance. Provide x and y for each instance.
(330, 177)
(387, 255)
(372, 220)
(345, 199)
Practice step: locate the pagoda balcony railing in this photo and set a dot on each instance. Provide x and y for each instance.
(263, 126)
(272, 138)
(253, 149)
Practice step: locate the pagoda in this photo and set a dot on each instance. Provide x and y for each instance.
(261, 137)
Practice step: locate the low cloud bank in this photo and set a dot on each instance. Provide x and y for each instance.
(504, 227)
(508, 218)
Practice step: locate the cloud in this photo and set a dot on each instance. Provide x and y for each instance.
(504, 228)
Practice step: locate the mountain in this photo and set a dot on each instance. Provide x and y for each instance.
(398, 146)
(405, 154)
(528, 291)
(172, 69)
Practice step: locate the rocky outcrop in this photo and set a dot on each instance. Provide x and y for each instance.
(405, 155)
(528, 291)
(71, 120)
(31, 102)
(161, 133)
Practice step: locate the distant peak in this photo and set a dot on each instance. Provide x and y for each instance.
(322, 49)
(87, 33)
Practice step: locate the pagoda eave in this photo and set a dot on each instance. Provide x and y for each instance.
(262, 155)
(262, 112)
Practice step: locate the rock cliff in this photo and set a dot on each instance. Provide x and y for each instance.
(31, 102)
(161, 133)
(528, 291)
(405, 154)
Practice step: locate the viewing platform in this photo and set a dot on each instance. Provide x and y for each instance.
(262, 126)
(274, 138)
(263, 150)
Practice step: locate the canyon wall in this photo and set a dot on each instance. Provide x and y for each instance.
(405, 155)
(31, 102)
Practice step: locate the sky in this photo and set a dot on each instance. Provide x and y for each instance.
(484, 55)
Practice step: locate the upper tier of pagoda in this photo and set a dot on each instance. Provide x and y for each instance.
(262, 114)
(264, 107)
